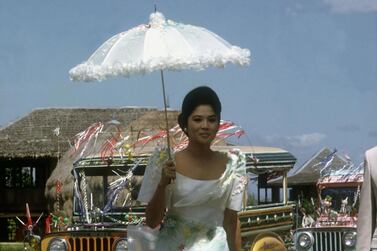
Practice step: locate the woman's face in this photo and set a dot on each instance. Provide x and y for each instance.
(202, 125)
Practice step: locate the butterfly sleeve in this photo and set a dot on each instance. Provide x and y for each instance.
(239, 181)
(237, 192)
(152, 176)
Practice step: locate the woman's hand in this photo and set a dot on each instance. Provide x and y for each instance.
(156, 207)
(168, 173)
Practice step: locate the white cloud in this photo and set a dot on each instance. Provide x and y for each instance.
(346, 6)
(304, 140)
(295, 9)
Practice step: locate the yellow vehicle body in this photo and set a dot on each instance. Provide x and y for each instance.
(82, 240)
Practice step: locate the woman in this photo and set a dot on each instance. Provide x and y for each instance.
(198, 193)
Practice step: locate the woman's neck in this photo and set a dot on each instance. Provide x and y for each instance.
(199, 150)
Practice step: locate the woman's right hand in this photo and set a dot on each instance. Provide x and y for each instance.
(168, 173)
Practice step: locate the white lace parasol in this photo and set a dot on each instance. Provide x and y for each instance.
(160, 45)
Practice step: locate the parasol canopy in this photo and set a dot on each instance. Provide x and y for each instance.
(160, 45)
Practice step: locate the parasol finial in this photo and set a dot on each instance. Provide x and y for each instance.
(157, 18)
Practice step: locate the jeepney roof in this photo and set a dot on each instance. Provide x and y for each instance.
(341, 180)
(269, 159)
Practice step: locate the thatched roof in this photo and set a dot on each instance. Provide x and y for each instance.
(154, 120)
(308, 174)
(32, 135)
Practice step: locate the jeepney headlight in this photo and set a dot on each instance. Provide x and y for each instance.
(349, 239)
(305, 240)
(121, 245)
(57, 244)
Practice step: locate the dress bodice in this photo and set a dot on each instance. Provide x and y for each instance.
(193, 199)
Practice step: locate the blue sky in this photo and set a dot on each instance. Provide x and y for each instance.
(312, 81)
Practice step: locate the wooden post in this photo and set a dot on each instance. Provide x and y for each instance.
(285, 188)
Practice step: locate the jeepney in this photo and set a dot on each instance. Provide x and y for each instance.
(101, 214)
(100, 220)
(333, 227)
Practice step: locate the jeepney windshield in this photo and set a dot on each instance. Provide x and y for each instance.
(341, 195)
(106, 188)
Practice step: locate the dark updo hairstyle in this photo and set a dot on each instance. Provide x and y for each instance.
(202, 95)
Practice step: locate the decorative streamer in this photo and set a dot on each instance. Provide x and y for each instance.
(84, 137)
(77, 192)
(224, 124)
(58, 188)
(110, 145)
(356, 197)
(224, 132)
(120, 144)
(325, 162)
(118, 185)
(85, 195)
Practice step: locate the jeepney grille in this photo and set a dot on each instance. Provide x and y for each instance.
(329, 241)
(91, 243)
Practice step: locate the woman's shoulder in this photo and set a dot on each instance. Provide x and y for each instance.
(230, 157)
(236, 160)
(221, 156)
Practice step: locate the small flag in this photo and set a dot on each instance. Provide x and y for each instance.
(56, 131)
(28, 216)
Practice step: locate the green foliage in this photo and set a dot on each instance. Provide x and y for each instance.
(309, 207)
(12, 227)
(13, 246)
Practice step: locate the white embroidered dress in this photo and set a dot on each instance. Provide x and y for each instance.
(194, 220)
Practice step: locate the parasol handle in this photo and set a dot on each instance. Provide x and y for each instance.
(166, 114)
